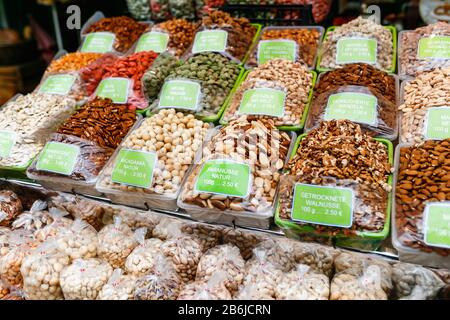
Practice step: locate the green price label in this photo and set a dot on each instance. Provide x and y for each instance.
(180, 94)
(210, 41)
(58, 84)
(437, 123)
(263, 101)
(276, 49)
(134, 168)
(59, 158)
(115, 89)
(98, 42)
(354, 50)
(436, 47)
(153, 41)
(329, 206)
(357, 107)
(7, 142)
(224, 177)
(437, 224)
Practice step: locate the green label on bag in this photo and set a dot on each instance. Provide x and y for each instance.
(329, 206)
(115, 89)
(7, 142)
(357, 107)
(180, 94)
(437, 224)
(436, 47)
(210, 41)
(58, 157)
(224, 177)
(153, 41)
(437, 123)
(354, 50)
(58, 84)
(276, 49)
(98, 42)
(263, 101)
(134, 168)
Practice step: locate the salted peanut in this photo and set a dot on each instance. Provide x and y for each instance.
(84, 279)
(41, 272)
(357, 284)
(358, 28)
(290, 78)
(303, 284)
(225, 259)
(116, 242)
(119, 287)
(427, 90)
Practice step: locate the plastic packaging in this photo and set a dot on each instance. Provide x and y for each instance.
(167, 228)
(154, 78)
(184, 9)
(280, 90)
(139, 9)
(10, 207)
(84, 279)
(79, 241)
(245, 240)
(158, 141)
(119, 287)
(361, 40)
(306, 40)
(94, 72)
(250, 203)
(181, 32)
(160, 9)
(376, 114)
(163, 284)
(213, 289)
(59, 224)
(142, 259)
(209, 236)
(225, 259)
(67, 84)
(423, 49)
(116, 242)
(35, 219)
(41, 271)
(303, 284)
(280, 254)
(4, 289)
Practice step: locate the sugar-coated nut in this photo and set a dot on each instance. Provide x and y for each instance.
(84, 279)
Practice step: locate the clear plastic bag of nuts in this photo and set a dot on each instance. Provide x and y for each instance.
(35, 219)
(358, 284)
(225, 259)
(84, 279)
(423, 49)
(209, 236)
(66, 84)
(168, 143)
(116, 242)
(249, 154)
(119, 287)
(41, 271)
(142, 259)
(4, 289)
(78, 241)
(212, 289)
(60, 223)
(303, 283)
(245, 240)
(276, 252)
(154, 77)
(162, 284)
(10, 207)
(277, 90)
(376, 114)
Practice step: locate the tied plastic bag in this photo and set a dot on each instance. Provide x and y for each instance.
(279, 253)
(358, 284)
(119, 287)
(376, 114)
(116, 242)
(135, 219)
(41, 271)
(10, 207)
(141, 260)
(78, 241)
(162, 284)
(225, 259)
(20, 244)
(4, 236)
(4, 289)
(303, 283)
(84, 279)
(35, 219)
(260, 279)
(318, 257)
(153, 79)
(413, 282)
(167, 228)
(213, 289)
(245, 240)
(209, 236)
(184, 251)
(58, 225)
(15, 293)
